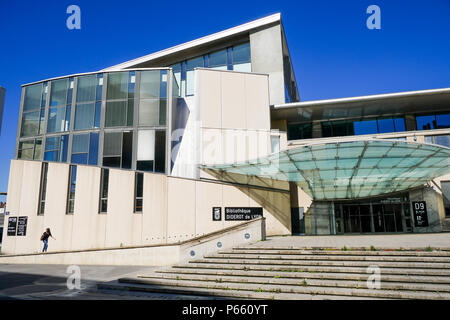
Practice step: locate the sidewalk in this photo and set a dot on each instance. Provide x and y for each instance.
(389, 241)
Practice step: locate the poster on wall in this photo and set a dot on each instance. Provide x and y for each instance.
(22, 226)
(243, 214)
(12, 226)
(420, 213)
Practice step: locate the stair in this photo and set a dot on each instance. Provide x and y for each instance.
(297, 273)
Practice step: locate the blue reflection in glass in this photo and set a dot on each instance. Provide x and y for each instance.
(98, 110)
(442, 121)
(64, 143)
(230, 59)
(51, 156)
(163, 84)
(79, 158)
(365, 127)
(93, 148)
(399, 124)
(426, 122)
(385, 125)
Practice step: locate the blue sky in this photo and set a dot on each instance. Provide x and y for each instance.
(333, 53)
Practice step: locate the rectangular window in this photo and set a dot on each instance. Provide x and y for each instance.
(443, 140)
(218, 60)
(30, 149)
(241, 58)
(86, 88)
(56, 148)
(60, 105)
(33, 112)
(104, 181)
(42, 195)
(72, 187)
(85, 148)
(190, 81)
(299, 131)
(138, 191)
(151, 152)
(433, 121)
(117, 149)
(445, 186)
(120, 94)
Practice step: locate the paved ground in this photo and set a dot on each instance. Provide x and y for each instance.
(50, 282)
(434, 240)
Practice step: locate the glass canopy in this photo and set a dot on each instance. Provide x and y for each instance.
(351, 169)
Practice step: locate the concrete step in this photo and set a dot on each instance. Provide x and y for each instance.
(278, 280)
(300, 263)
(297, 289)
(220, 293)
(324, 257)
(314, 269)
(306, 275)
(423, 249)
(384, 253)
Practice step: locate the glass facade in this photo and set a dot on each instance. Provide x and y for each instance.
(117, 117)
(237, 58)
(433, 121)
(442, 140)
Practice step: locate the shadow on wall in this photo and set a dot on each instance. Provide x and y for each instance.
(277, 203)
(179, 120)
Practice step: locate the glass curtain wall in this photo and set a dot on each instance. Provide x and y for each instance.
(117, 117)
(237, 58)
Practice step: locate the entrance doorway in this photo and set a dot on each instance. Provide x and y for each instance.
(374, 215)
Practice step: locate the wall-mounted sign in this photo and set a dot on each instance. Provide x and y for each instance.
(238, 214)
(22, 226)
(217, 213)
(420, 214)
(12, 226)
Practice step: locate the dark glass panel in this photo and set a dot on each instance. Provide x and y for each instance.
(80, 143)
(116, 113)
(64, 144)
(162, 112)
(145, 165)
(130, 112)
(30, 124)
(84, 116)
(32, 99)
(241, 53)
(218, 59)
(58, 92)
(117, 85)
(150, 84)
(139, 185)
(300, 131)
(111, 162)
(112, 144)
(86, 88)
(326, 129)
(127, 150)
(160, 151)
(93, 148)
(98, 110)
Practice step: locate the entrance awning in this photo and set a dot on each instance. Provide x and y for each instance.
(351, 169)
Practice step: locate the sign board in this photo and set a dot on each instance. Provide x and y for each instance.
(420, 213)
(242, 214)
(22, 226)
(12, 226)
(217, 213)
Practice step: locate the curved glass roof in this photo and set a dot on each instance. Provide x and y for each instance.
(351, 169)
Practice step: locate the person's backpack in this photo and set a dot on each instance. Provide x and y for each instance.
(42, 237)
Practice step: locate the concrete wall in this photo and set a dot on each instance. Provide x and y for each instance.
(267, 57)
(159, 255)
(174, 209)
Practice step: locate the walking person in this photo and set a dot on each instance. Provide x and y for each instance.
(45, 237)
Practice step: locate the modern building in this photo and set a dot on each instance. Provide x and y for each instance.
(198, 137)
(2, 105)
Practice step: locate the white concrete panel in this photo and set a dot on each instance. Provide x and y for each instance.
(233, 100)
(120, 208)
(208, 195)
(154, 219)
(181, 209)
(257, 102)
